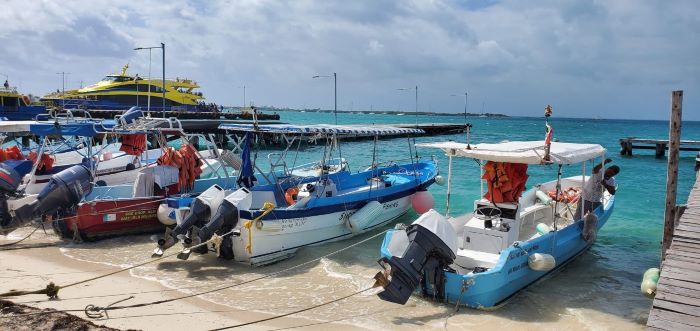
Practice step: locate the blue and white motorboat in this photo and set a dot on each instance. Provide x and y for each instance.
(305, 210)
(483, 258)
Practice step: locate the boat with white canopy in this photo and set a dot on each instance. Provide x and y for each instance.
(513, 237)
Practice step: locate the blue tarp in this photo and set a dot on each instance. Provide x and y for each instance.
(322, 129)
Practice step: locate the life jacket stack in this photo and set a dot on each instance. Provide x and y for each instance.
(11, 153)
(45, 162)
(133, 144)
(506, 181)
(186, 161)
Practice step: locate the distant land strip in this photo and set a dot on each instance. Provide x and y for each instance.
(383, 112)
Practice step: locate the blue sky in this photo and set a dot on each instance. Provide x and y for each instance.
(608, 59)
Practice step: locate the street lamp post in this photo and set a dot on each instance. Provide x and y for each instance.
(335, 93)
(408, 89)
(243, 96)
(63, 87)
(162, 47)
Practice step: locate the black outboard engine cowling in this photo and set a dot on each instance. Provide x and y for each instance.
(427, 253)
(9, 182)
(64, 190)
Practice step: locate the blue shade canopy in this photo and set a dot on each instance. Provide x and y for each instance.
(322, 129)
(83, 128)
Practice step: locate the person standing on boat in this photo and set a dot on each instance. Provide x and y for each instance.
(592, 195)
(7, 84)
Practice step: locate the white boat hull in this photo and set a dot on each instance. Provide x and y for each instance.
(283, 237)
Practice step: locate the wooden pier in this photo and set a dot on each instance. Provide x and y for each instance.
(677, 301)
(658, 145)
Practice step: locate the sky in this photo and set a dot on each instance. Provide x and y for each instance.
(587, 58)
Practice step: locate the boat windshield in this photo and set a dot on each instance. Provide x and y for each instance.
(116, 79)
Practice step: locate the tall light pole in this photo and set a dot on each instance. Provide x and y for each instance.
(243, 96)
(63, 93)
(335, 93)
(408, 89)
(162, 47)
(466, 125)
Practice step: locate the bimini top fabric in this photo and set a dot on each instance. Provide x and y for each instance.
(42, 129)
(528, 152)
(321, 129)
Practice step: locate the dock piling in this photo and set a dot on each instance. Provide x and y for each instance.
(674, 138)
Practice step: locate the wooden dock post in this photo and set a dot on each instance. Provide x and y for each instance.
(674, 138)
(660, 151)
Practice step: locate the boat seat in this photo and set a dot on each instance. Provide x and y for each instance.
(469, 259)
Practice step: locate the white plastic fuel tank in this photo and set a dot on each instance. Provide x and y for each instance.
(365, 216)
(541, 262)
(166, 215)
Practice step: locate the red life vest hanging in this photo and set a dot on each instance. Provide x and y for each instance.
(133, 144)
(505, 181)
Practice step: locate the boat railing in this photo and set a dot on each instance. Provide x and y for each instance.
(387, 163)
(11, 89)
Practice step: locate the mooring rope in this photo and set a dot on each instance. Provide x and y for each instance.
(21, 240)
(294, 312)
(94, 308)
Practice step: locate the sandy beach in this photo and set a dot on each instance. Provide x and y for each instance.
(35, 268)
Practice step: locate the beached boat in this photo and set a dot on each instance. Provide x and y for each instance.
(305, 211)
(510, 240)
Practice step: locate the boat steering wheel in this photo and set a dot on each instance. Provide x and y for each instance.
(487, 213)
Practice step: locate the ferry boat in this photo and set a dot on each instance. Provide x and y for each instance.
(17, 107)
(122, 91)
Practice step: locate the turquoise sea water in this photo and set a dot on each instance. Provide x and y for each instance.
(626, 246)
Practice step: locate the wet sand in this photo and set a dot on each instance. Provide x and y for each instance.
(575, 299)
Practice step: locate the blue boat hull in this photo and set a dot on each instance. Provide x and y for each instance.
(511, 273)
(22, 113)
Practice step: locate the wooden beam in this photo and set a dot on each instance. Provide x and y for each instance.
(674, 138)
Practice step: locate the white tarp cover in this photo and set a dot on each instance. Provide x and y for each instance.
(529, 152)
(440, 226)
(16, 126)
(322, 129)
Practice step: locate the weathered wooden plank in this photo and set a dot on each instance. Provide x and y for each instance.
(693, 262)
(686, 234)
(693, 304)
(691, 253)
(680, 274)
(667, 320)
(687, 240)
(665, 287)
(689, 245)
(677, 317)
(679, 283)
(674, 261)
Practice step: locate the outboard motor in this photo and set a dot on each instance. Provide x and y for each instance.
(201, 209)
(225, 219)
(130, 116)
(9, 182)
(64, 189)
(432, 247)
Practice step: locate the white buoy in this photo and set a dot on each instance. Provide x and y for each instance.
(649, 282)
(541, 262)
(365, 216)
(166, 215)
(544, 198)
(543, 229)
(440, 180)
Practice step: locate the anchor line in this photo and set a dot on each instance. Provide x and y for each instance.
(23, 239)
(294, 312)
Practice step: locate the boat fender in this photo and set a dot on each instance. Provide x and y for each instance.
(422, 201)
(590, 224)
(543, 229)
(544, 198)
(166, 215)
(541, 262)
(291, 195)
(649, 282)
(364, 216)
(439, 180)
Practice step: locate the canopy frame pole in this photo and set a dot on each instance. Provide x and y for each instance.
(558, 192)
(449, 182)
(583, 188)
